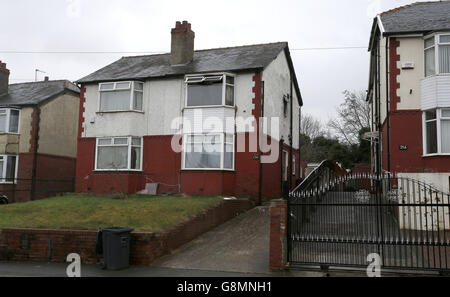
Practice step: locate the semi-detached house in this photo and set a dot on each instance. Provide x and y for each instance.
(38, 137)
(133, 110)
(409, 91)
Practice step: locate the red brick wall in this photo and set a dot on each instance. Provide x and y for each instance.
(54, 175)
(406, 129)
(394, 71)
(278, 242)
(362, 168)
(162, 165)
(85, 164)
(54, 245)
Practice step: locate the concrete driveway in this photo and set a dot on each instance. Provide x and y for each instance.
(239, 245)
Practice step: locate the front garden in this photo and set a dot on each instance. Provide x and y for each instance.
(141, 212)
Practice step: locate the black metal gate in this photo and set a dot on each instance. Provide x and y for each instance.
(339, 221)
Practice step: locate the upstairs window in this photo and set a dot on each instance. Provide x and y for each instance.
(437, 131)
(211, 90)
(121, 96)
(9, 120)
(119, 153)
(437, 54)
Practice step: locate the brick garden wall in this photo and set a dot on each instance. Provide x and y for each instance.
(278, 240)
(51, 245)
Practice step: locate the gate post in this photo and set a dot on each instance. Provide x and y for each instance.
(278, 240)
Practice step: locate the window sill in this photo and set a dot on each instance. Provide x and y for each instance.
(209, 106)
(117, 170)
(436, 155)
(207, 169)
(119, 111)
(436, 75)
(9, 133)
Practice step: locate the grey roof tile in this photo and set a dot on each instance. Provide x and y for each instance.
(222, 59)
(35, 92)
(417, 17)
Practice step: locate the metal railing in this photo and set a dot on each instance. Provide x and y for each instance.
(342, 221)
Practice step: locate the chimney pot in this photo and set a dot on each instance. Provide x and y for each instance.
(4, 78)
(46, 78)
(182, 47)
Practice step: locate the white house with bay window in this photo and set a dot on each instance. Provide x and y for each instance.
(172, 120)
(435, 97)
(409, 90)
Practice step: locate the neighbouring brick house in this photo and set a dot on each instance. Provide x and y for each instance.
(409, 91)
(127, 113)
(38, 132)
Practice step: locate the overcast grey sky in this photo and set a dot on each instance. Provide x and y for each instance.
(144, 26)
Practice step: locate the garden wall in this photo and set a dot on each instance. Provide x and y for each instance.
(53, 245)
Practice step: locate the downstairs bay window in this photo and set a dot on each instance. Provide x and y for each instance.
(208, 151)
(436, 127)
(121, 96)
(119, 153)
(8, 168)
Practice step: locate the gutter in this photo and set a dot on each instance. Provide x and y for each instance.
(294, 78)
(291, 135)
(261, 133)
(388, 125)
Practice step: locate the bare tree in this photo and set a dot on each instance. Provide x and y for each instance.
(353, 116)
(311, 127)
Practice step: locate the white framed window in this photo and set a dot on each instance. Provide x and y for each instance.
(121, 96)
(9, 120)
(119, 153)
(437, 54)
(8, 168)
(436, 131)
(213, 151)
(210, 90)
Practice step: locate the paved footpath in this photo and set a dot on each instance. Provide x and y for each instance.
(239, 245)
(33, 269)
(30, 269)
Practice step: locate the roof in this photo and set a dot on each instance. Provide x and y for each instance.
(221, 59)
(419, 17)
(36, 92)
(232, 59)
(415, 18)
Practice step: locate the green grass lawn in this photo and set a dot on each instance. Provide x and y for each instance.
(143, 213)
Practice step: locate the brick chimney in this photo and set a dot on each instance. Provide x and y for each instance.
(4, 79)
(46, 78)
(182, 48)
